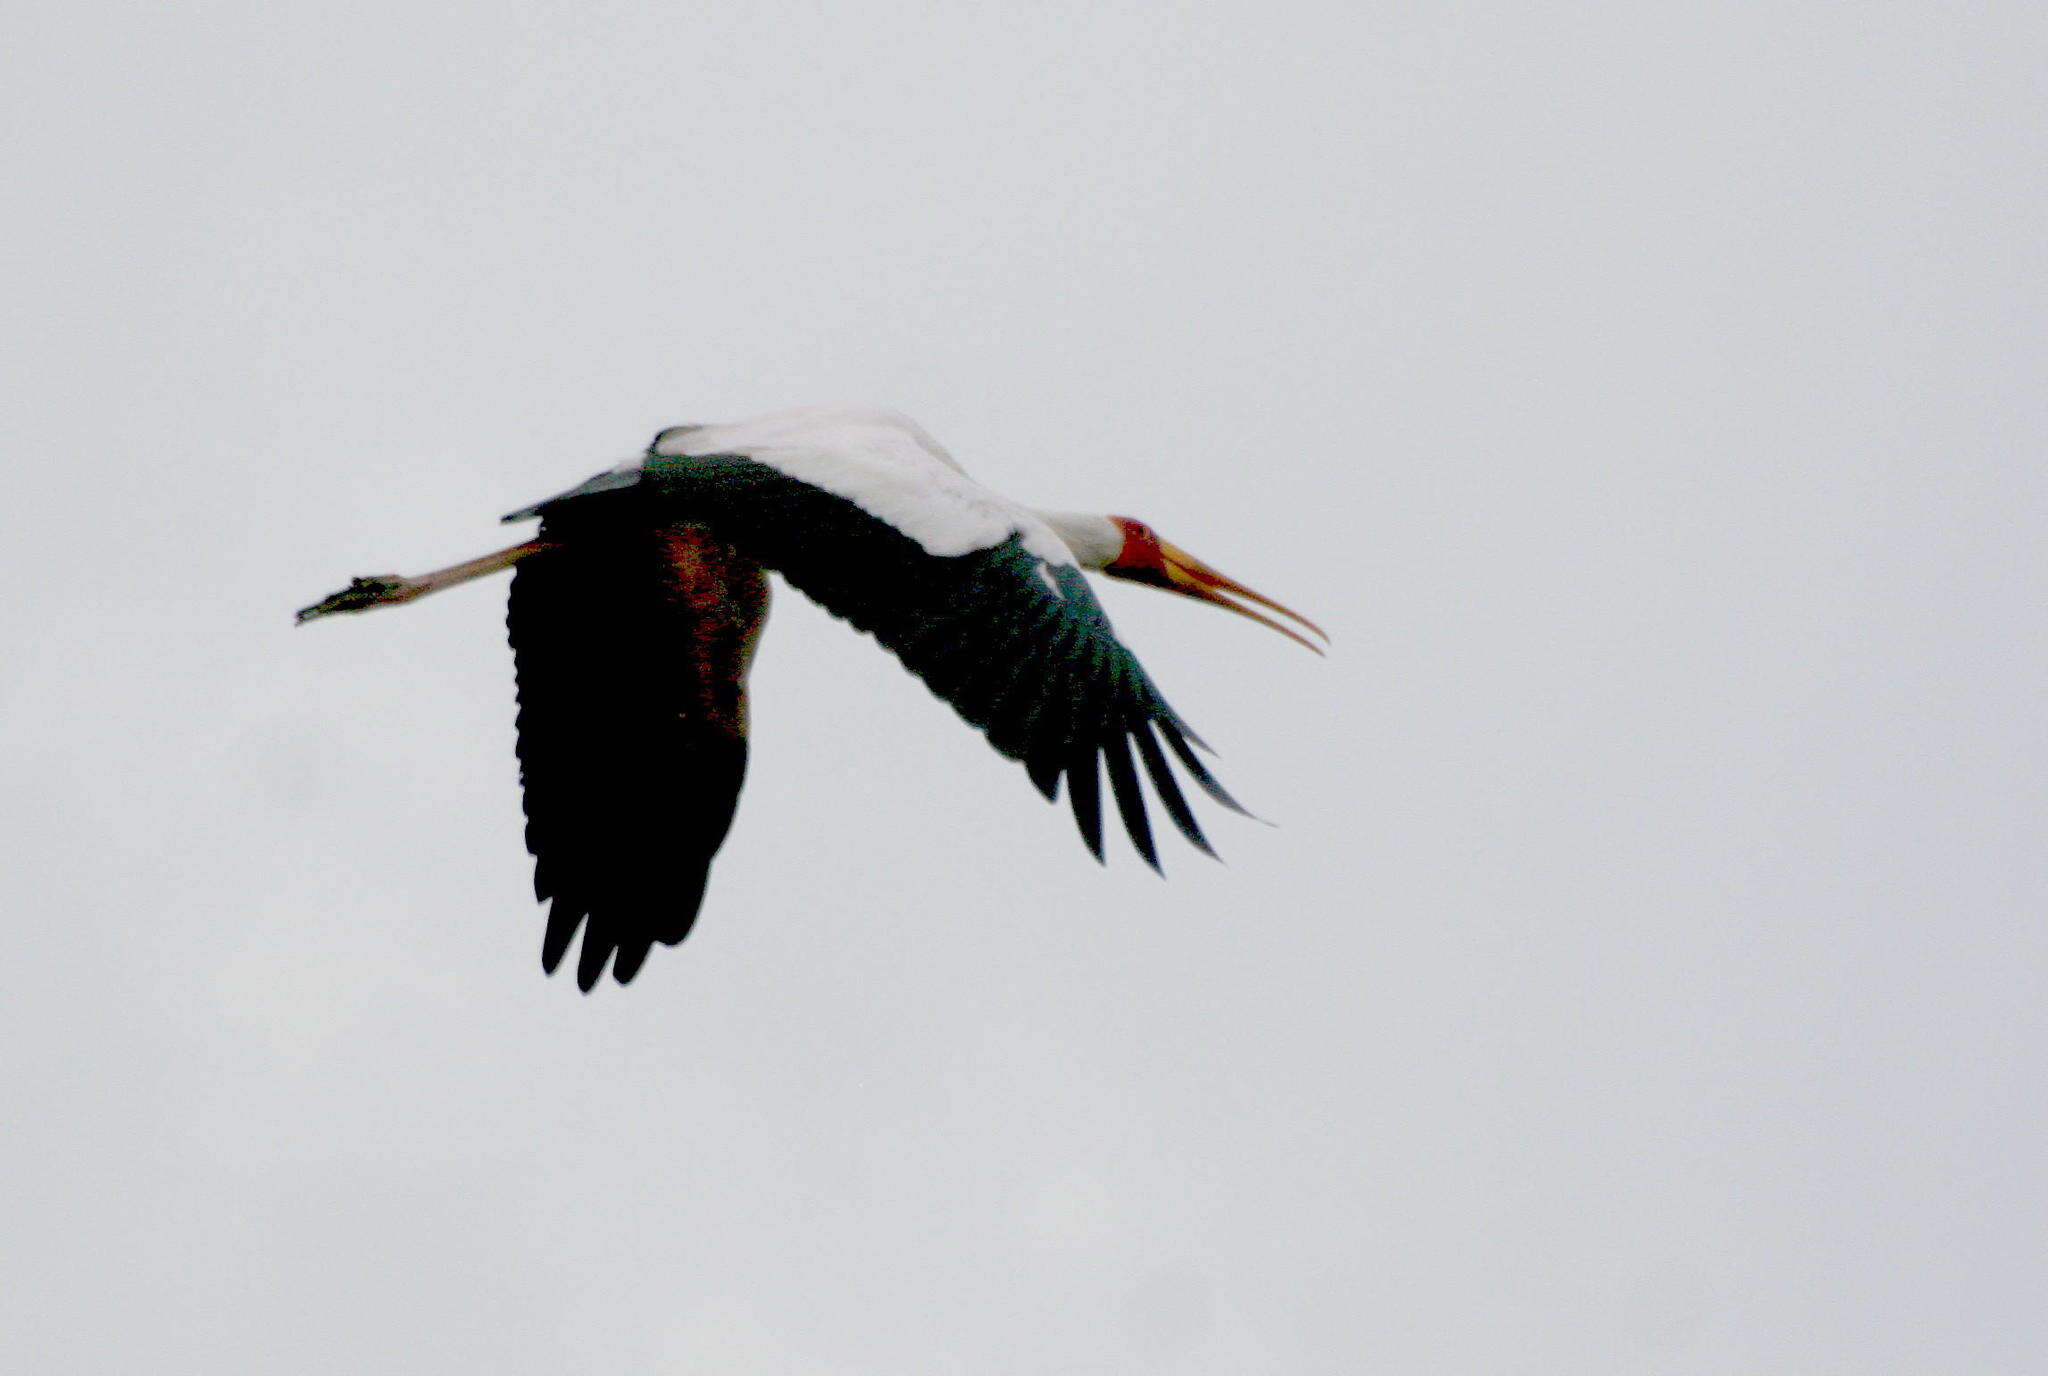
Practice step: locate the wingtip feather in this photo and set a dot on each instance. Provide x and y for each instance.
(590, 964)
(1170, 796)
(1044, 770)
(1130, 799)
(563, 923)
(627, 963)
(1177, 736)
(1084, 797)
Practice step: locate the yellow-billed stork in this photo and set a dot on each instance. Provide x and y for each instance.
(635, 612)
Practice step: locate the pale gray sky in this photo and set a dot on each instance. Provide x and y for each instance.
(1645, 973)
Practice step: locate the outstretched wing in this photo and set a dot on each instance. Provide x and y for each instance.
(631, 645)
(975, 595)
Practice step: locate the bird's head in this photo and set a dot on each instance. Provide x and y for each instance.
(1141, 556)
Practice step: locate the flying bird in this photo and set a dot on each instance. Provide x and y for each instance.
(635, 611)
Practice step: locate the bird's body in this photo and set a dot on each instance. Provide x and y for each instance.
(635, 613)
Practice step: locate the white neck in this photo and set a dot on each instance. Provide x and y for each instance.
(1095, 540)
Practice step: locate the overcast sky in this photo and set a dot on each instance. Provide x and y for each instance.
(1644, 974)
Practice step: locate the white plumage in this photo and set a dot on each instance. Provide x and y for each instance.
(884, 463)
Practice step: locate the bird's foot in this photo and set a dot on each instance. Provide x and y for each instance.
(384, 589)
(360, 595)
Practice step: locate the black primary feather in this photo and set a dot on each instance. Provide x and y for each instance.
(630, 645)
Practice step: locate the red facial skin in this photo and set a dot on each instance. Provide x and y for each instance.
(1145, 558)
(1140, 560)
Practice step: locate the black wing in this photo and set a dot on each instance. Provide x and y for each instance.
(1020, 648)
(631, 645)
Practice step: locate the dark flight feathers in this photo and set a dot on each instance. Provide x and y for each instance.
(632, 797)
(630, 645)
